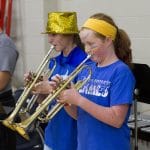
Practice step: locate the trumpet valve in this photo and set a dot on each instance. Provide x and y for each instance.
(31, 78)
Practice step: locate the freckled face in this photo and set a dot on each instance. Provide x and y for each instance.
(93, 44)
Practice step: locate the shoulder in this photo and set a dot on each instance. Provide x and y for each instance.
(122, 70)
(121, 67)
(4, 40)
(7, 45)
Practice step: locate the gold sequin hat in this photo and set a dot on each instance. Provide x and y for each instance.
(62, 23)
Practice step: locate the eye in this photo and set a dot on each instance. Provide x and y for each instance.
(92, 45)
(53, 34)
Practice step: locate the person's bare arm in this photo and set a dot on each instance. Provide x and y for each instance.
(5, 78)
(114, 115)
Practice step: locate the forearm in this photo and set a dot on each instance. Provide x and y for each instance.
(113, 116)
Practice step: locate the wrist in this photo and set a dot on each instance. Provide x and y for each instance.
(81, 101)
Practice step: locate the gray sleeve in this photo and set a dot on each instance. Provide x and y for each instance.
(8, 58)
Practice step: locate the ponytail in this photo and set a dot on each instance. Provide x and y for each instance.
(122, 46)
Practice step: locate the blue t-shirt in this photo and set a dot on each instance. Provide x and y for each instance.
(109, 86)
(61, 131)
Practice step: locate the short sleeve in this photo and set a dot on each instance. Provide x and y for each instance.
(122, 88)
(8, 58)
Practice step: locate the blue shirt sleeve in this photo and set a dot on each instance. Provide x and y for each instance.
(122, 88)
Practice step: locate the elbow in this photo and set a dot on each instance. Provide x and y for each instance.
(118, 120)
(118, 124)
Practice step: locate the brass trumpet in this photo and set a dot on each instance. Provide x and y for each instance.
(9, 122)
(25, 111)
(22, 127)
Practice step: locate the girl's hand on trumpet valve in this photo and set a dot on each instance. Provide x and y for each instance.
(44, 87)
(30, 76)
(57, 79)
(70, 96)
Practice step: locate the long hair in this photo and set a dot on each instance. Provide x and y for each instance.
(77, 41)
(122, 43)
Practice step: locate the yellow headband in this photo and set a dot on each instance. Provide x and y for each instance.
(101, 27)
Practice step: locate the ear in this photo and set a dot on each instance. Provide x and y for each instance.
(108, 41)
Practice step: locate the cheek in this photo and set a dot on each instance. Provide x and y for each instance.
(60, 45)
(60, 41)
(96, 51)
(100, 50)
(50, 39)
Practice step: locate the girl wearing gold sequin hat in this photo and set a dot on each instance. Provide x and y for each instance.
(62, 32)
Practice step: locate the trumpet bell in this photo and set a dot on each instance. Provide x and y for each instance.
(8, 124)
(22, 131)
(10, 120)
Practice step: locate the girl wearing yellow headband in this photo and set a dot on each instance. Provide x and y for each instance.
(103, 104)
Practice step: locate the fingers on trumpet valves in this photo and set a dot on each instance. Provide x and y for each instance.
(30, 76)
(57, 79)
(45, 87)
(27, 78)
(65, 104)
(70, 85)
(53, 84)
(60, 97)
